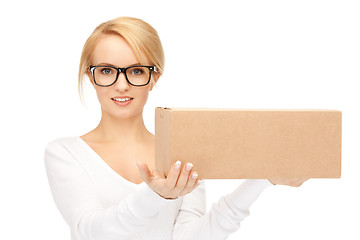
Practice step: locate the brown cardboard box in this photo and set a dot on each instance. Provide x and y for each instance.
(245, 144)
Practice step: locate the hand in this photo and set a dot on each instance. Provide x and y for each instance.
(297, 182)
(179, 182)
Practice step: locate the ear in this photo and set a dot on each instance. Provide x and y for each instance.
(154, 81)
(88, 74)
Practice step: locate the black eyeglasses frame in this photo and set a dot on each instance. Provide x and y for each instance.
(121, 70)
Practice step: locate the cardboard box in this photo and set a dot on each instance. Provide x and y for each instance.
(245, 144)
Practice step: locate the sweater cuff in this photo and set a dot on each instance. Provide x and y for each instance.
(145, 202)
(243, 196)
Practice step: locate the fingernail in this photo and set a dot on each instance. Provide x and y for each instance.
(138, 163)
(199, 181)
(194, 175)
(189, 166)
(177, 165)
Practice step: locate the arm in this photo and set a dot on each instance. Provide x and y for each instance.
(75, 197)
(224, 217)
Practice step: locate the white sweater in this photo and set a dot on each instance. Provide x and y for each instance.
(98, 204)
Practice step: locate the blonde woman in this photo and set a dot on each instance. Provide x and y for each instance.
(104, 183)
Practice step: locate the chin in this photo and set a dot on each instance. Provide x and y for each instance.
(124, 112)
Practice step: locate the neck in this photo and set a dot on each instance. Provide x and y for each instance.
(122, 130)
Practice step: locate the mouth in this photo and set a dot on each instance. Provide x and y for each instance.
(125, 99)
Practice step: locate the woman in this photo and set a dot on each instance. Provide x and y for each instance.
(103, 182)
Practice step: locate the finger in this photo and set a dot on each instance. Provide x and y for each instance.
(173, 175)
(144, 170)
(192, 180)
(184, 176)
(191, 184)
(198, 182)
(156, 174)
(301, 181)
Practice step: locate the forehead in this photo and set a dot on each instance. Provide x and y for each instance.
(113, 49)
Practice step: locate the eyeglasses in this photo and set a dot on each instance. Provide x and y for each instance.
(105, 76)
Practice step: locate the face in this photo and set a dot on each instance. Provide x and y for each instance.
(114, 50)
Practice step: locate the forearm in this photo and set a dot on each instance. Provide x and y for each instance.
(224, 216)
(122, 220)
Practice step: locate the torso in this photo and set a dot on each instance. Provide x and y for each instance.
(122, 159)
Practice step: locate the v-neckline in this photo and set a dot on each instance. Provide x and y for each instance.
(112, 171)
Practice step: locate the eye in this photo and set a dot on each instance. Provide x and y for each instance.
(137, 71)
(106, 71)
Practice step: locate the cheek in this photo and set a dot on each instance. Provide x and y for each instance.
(102, 93)
(143, 94)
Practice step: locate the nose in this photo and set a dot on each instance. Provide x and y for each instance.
(121, 82)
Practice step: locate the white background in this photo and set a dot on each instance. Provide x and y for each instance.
(230, 54)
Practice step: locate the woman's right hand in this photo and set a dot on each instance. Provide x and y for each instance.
(179, 182)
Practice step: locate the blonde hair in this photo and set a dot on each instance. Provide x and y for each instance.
(141, 36)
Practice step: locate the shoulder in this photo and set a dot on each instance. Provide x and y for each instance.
(63, 140)
(64, 154)
(60, 147)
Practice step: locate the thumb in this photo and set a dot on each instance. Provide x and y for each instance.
(144, 171)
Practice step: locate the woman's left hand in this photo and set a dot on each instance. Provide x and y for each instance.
(297, 182)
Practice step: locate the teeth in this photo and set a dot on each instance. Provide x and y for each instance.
(121, 99)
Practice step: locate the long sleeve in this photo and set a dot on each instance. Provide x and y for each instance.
(75, 197)
(224, 217)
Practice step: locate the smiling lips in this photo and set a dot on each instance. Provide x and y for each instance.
(122, 101)
(122, 98)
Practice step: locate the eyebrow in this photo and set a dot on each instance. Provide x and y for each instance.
(109, 64)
